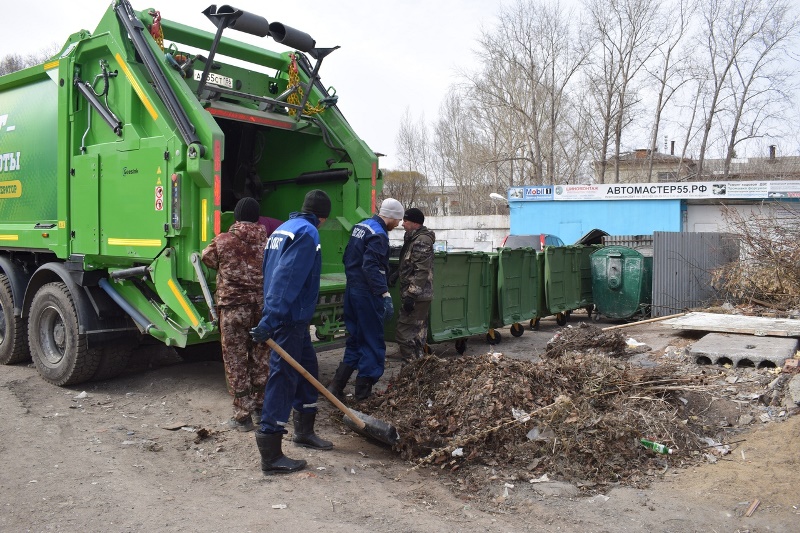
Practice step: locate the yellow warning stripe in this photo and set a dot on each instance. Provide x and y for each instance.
(51, 64)
(9, 237)
(183, 302)
(128, 74)
(204, 220)
(134, 242)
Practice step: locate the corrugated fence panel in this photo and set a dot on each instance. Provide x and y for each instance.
(683, 265)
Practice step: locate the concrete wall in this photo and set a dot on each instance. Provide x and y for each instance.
(462, 233)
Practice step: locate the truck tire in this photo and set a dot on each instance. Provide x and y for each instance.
(61, 354)
(13, 342)
(114, 359)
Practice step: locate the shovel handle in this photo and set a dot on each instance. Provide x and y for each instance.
(317, 385)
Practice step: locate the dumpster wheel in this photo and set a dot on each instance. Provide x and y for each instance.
(494, 337)
(534, 324)
(427, 350)
(517, 330)
(561, 319)
(461, 346)
(596, 317)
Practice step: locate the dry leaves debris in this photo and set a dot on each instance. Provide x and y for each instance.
(577, 417)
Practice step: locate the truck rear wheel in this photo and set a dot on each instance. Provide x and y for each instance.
(61, 354)
(13, 342)
(114, 359)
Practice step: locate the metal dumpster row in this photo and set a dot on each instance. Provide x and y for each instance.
(477, 292)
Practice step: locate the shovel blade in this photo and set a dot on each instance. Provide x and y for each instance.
(374, 428)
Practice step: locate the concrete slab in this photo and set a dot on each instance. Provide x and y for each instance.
(754, 325)
(742, 350)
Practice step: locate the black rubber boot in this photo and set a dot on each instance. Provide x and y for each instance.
(363, 388)
(272, 459)
(340, 379)
(304, 432)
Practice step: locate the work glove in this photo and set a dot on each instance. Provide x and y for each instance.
(408, 304)
(260, 334)
(388, 308)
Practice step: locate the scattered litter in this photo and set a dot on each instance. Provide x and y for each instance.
(509, 485)
(82, 395)
(352, 470)
(458, 452)
(541, 479)
(174, 427)
(633, 343)
(543, 435)
(280, 506)
(753, 507)
(520, 415)
(320, 468)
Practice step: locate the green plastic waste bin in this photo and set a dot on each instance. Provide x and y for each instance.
(587, 299)
(562, 280)
(463, 283)
(518, 288)
(622, 280)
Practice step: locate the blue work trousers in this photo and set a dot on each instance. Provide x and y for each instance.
(365, 349)
(286, 388)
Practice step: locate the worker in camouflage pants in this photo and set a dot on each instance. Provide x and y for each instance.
(416, 285)
(237, 256)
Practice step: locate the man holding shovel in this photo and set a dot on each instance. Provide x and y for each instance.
(292, 267)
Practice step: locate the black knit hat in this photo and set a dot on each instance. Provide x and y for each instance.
(318, 203)
(414, 215)
(247, 210)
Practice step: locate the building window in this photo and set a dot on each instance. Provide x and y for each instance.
(667, 176)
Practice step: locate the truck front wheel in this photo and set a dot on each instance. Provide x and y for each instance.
(61, 354)
(13, 344)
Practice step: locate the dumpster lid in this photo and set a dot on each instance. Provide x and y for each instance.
(594, 236)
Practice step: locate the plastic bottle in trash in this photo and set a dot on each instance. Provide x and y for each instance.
(656, 447)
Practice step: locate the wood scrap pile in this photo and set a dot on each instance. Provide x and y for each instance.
(577, 418)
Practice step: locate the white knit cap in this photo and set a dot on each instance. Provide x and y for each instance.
(391, 208)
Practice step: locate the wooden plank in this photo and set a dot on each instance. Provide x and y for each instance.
(753, 507)
(747, 325)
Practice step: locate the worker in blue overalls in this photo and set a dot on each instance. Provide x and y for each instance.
(292, 268)
(367, 303)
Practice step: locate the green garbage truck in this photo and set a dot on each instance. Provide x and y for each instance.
(123, 156)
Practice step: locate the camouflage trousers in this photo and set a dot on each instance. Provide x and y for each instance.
(246, 363)
(412, 330)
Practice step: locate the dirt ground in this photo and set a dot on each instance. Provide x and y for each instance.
(130, 455)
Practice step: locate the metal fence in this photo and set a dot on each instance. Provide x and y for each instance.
(683, 265)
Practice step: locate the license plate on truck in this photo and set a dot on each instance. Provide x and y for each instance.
(216, 79)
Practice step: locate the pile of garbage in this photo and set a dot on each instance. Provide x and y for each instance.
(578, 417)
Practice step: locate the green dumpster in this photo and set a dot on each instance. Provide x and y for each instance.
(585, 251)
(562, 280)
(463, 283)
(518, 288)
(622, 280)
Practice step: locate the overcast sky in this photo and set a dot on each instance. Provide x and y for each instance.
(395, 54)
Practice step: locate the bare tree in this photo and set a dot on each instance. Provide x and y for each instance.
(758, 77)
(14, 62)
(408, 187)
(529, 62)
(671, 72)
(626, 32)
(456, 143)
(412, 144)
(738, 32)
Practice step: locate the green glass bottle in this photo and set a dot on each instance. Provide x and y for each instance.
(656, 447)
